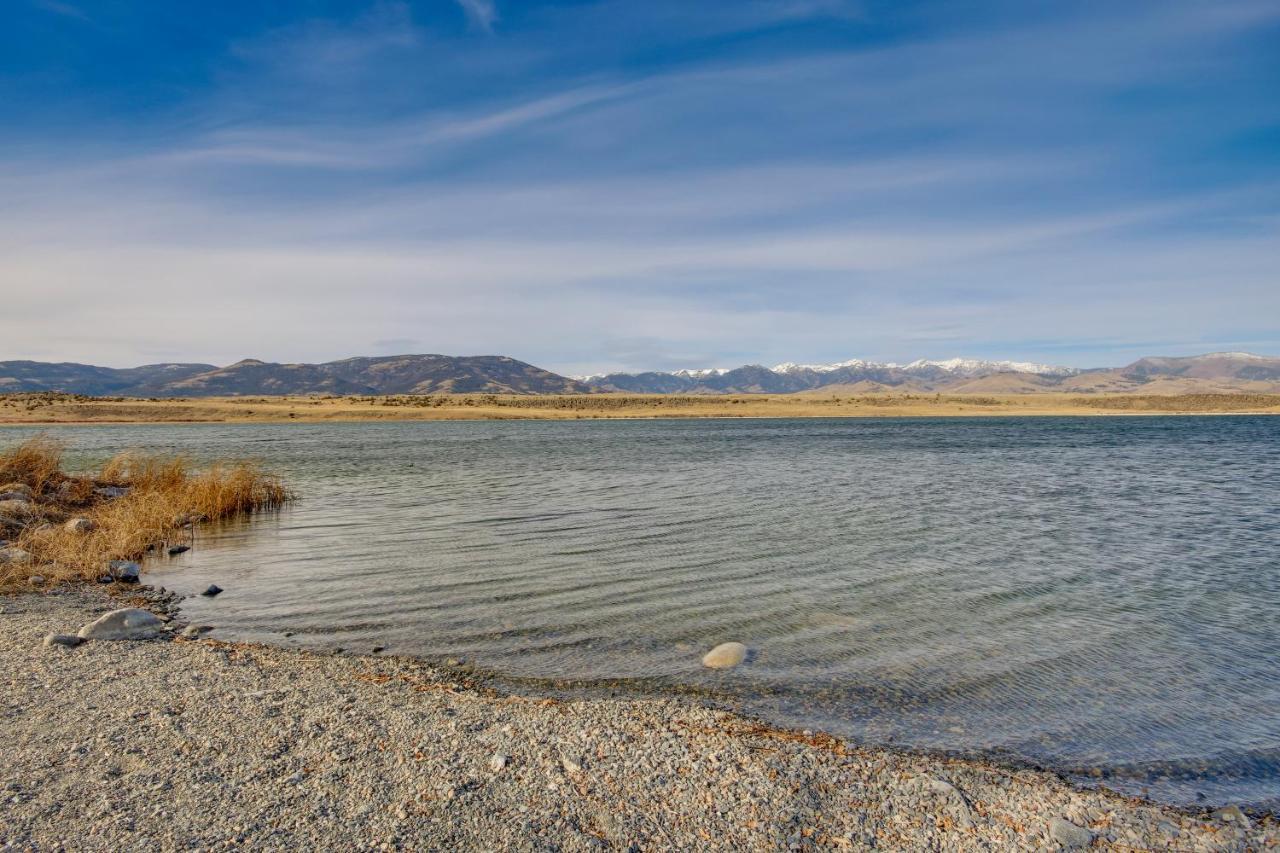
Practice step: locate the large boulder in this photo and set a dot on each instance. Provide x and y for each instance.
(130, 623)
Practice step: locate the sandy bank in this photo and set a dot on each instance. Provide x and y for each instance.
(185, 744)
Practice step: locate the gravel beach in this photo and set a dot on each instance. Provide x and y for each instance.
(183, 743)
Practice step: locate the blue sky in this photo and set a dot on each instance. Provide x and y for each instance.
(622, 185)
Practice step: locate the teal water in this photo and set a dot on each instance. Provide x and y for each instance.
(1097, 595)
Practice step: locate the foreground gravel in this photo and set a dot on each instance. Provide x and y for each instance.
(194, 744)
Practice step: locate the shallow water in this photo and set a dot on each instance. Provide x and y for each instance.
(1099, 595)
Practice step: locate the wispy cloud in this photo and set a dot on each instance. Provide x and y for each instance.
(482, 14)
(762, 191)
(59, 7)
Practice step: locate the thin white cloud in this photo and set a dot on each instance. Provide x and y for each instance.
(482, 14)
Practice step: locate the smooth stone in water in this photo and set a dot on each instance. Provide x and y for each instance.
(125, 571)
(213, 590)
(1068, 834)
(725, 655)
(129, 623)
(179, 549)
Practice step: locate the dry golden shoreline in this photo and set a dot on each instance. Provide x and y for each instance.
(37, 409)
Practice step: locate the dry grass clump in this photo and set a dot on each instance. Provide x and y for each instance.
(71, 527)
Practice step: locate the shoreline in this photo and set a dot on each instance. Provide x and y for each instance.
(179, 742)
(52, 409)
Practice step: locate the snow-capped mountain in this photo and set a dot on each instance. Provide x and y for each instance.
(1213, 372)
(958, 366)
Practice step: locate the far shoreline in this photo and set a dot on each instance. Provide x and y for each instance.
(49, 410)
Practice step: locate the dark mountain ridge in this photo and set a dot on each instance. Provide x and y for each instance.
(493, 374)
(396, 374)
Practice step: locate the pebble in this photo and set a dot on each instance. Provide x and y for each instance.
(498, 762)
(1068, 834)
(1232, 814)
(725, 655)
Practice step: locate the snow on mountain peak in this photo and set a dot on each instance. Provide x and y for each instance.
(969, 366)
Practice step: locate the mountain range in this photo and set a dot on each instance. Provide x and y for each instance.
(1211, 373)
(442, 374)
(395, 374)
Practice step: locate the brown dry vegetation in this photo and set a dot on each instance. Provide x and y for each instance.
(136, 502)
(62, 408)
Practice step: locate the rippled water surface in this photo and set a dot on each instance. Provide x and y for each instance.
(1100, 595)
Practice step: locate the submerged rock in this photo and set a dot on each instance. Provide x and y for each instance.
(1068, 834)
(212, 590)
(129, 623)
(178, 549)
(725, 655)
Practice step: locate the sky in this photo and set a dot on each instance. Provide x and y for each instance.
(627, 185)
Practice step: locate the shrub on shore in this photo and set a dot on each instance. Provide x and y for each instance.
(64, 528)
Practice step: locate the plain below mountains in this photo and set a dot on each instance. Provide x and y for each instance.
(441, 374)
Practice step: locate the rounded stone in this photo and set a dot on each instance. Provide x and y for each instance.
(1070, 836)
(725, 655)
(130, 623)
(79, 525)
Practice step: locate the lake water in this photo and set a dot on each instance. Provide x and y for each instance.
(1098, 595)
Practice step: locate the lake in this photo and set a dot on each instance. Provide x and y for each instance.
(1098, 595)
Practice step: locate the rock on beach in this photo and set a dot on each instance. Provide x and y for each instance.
(130, 623)
(725, 655)
(1070, 836)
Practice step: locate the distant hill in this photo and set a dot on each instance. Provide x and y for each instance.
(1214, 373)
(17, 376)
(398, 374)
